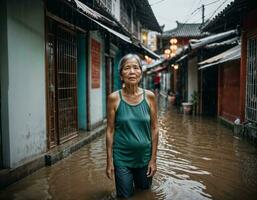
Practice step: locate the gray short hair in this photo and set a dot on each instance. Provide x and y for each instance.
(127, 57)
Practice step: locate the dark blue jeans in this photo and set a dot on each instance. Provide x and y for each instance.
(126, 179)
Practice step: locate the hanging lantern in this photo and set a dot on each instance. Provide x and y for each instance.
(173, 41)
(167, 51)
(173, 47)
(149, 61)
(166, 56)
(172, 54)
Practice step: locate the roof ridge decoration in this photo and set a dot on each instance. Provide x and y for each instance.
(219, 14)
(92, 13)
(185, 30)
(194, 44)
(182, 24)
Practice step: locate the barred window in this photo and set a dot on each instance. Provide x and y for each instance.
(107, 4)
(251, 86)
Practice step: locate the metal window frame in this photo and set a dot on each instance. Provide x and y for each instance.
(61, 83)
(251, 80)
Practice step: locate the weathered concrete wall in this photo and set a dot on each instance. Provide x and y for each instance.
(116, 9)
(192, 77)
(26, 80)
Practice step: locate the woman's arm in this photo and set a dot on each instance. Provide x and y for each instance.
(152, 168)
(111, 106)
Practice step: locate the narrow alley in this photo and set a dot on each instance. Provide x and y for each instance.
(197, 159)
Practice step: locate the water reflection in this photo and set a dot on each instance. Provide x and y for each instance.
(197, 159)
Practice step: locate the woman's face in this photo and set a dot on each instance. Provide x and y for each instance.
(131, 72)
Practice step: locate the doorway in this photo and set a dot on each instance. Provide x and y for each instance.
(61, 76)
(209, 89)
(1, 145)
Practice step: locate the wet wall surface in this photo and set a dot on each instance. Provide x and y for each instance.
(197, 159)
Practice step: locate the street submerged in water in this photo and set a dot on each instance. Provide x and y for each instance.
(197, 159)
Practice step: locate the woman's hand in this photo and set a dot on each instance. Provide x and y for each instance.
(152, 168)
(110, 171)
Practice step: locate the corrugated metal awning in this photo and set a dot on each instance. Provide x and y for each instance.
(119, 35)
(232, 41)
(182, 58)
(92, 14)
(157, 70)
(194, 44)
(150, 52)
(155, 64)
(229, 55)
(95, 17)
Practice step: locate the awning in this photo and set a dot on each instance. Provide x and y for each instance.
(181, 58)
(92, 14)
(157, 70)
(231, 41)
(119, 35)
(95, 16)
(229, 55)
(149, 52)
(194, 44)
(155, 64)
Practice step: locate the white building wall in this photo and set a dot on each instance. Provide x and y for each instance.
(96, 94)
(116, 9)
(192, 77)
(152, 40)
(26, 80)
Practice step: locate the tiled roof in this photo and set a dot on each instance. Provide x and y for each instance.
(194, 44)
(230, 17)
(228, 55)
(185, 30)
(146, 15)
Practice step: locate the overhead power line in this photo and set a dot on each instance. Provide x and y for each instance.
(218, 8)
(205, 5)
(199, 8)
(157, 2)
(211, 3)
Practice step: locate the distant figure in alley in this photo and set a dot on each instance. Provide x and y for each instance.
(157, 83)
(132, 131)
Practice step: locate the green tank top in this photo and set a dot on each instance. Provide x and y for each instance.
(132, 137)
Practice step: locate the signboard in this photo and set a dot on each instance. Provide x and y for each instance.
(95, 64)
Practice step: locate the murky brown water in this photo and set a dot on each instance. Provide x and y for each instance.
(197, 159)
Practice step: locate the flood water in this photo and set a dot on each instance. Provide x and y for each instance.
(197, 159)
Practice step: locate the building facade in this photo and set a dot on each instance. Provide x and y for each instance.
(59, 62)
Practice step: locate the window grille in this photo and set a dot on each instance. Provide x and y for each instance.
(62, 84)
(107, 4)
(251, 86)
